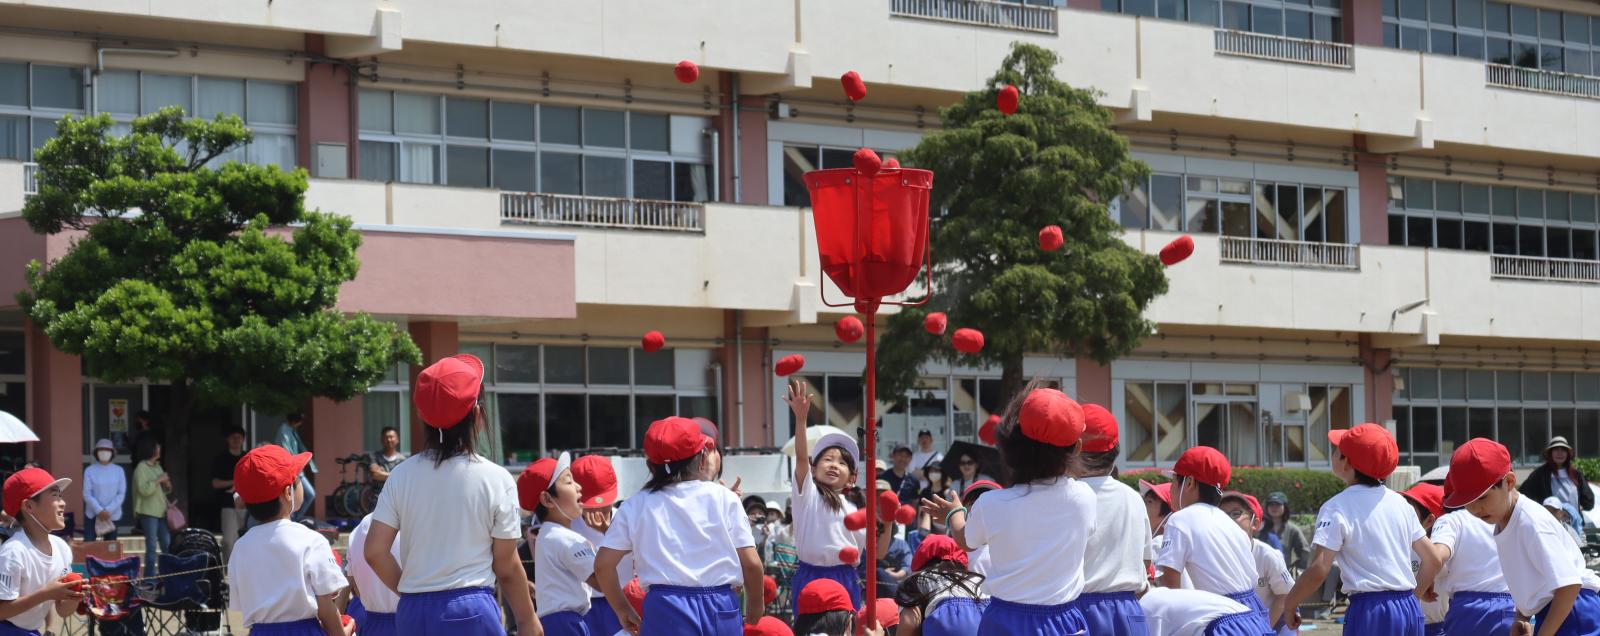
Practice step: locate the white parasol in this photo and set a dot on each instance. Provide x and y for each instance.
(13, 431)
(814, 433)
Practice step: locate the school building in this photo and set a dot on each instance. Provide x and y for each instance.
(1394, 205)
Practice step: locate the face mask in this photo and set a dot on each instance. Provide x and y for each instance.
(104, 456)
(934, 475)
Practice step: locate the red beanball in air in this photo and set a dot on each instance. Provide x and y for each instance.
(856, 520)
(905, 515)
(790, 364)
(652, 342)
(1050, 238)
(1008, 99)
(1180, 248)
(686, 72)
(987, 432)
(935, 323)
(891, 164)
(849, 555)
(854, 87)
(848, 329)
(867, 161)
(888, 504)
(967, 340)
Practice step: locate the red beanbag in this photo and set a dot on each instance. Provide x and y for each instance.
(854, 87)
(935, 323)
(790, 364)
(967, 340)
(1008, 98)
(1050, 238)
(849, 555)
(1180, 248)
(866, 161)
(848, 329)
(686, 72)
(856, 520)
(653, 342)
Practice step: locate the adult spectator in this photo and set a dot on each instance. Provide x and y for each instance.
(105, 486)
(144, 426)
(924, 455)
(969, 473)
(1296, 551)
(150, 486)
(289, 439)
(1558, 478)
(388, 456)
(232, 510)
(901, 480)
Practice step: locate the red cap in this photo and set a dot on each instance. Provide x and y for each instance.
(1099, 429)
(1163, 491)
(1475, 467)
(686, 72)
(1180, 248)
(652, 341)
(447, 390)
(823, 595)
(768, 626)
(635, 595)
(1429, 496)
(789, 365)
(866, 161)
(1050, 238)
(1205, 465)
(537, 478)
(1008, 98)
(769, 589)
(936, 323)
(598, 480)
(887, 615)
(263, 473)
(981, 484)
(1249, 501)
(1370, 448)
(26, 484)
(1048, 416)
(674, 439)
(987, 432)
(967, 340)
(848, 329)
(937, 547)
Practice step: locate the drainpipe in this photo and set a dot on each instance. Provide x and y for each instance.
(738, 190)
(716, 163)
(738, 367)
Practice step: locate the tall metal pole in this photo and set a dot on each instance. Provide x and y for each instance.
(870, 559)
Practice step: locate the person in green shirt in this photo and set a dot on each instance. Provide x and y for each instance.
(150, 486)
(289, 439)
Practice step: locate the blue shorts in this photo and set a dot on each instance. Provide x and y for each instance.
(1004, 618)
(1113, 614)
(1437, 629)
(954, 617)
(845, 574)
(1584, 619)
(568, 623)
(307, 627)
(470, 611)
(1479, 613)
(8, 629)
(1249, 599)
(1394, 612)
(601, 618)
(1246, 624)
(671, 610)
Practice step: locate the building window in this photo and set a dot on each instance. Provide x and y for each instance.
(1304, 19)
(387, 404)
(1235, 207)
(33, 97)
(1502, 219)
(798, 159)
(1437, 410)
(270, 109)
(550, 398)
(1161, 419)
(1495, 32)
(523, 147)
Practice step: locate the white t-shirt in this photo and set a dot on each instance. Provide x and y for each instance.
(1037, 534)
(1180, 612)
(1370, 529)
(624, 567)
(564, 560)
(819, 531)
(447, 517)
(1202, 540)
(1272, 575)
(1478, 569)
(688, 533)
(277, 572)
(978, 560)
(375, 596)
(24, 570)
(1538, 555)
(1119, 544)
(1155, 548)
(920, 459)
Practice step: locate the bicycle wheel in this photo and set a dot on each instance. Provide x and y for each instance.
(352, 501)
(336, 501)
(369, 499)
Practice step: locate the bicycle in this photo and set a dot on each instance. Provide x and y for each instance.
(354, 498)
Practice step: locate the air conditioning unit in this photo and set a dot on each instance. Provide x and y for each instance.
(1295, 402)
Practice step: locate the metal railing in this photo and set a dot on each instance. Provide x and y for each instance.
(1005, 15)
(1284, 49)
(1256, 251)
(30, 179)
(539, 208)
(1540, 81)
(1564, 270)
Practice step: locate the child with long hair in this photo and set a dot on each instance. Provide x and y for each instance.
(822, 497)
(1036, 529)
(691, 542)
(941, 597)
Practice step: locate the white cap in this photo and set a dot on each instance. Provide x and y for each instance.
(1551, 502)
(837, 439)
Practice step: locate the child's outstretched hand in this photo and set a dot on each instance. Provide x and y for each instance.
(799, 399)
(940, 508)
(598, 520)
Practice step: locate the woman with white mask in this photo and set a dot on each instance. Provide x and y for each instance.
(105, 485)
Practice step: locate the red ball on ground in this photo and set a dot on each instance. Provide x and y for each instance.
(1050, 238)
(867, 161)
(967, 340)
(854, 87)
(935, 323)
(790, 364)
(856, 520)
(849, 555)
(686, 72)
(1008, 99)
(653, 342)
(848, 329)
(1180, 248)
(905, 515)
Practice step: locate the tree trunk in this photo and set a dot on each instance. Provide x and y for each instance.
(175, 454)
(1011, 379)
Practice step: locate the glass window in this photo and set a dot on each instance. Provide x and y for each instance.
(512, 121)
(1419, 194)
(1443, 42)
(1449, 234)
(516, 364)
(161, 91)
(419, 163)
(608, 365)
(43, 130)
(1297, 24)
(1577, 28)
(1166, 202)
(1453, 425)
(60, 87)
(1583, 207)
(1203, 215)
(1551, 57)
(1266, 19)
(1525, 54)
(518, 414)
(468, 166)
(1499, 51)
(1424, 384)
(415, 113)
(649, 132)
(1469, 13)
(654, 369)
(1480, 385)
(1524, 20)
(1561, 387)
(1530, 203)
(1442, 12)
(1505, 238)
(1419, 231)
(1204, 12)
(1391, 8)
(608, 421)
(220, 97)
(1447, 196)
(1535, 386)
(1587, 389)
(837, 158)
(1577, 61)
(1397, 229)
(1530, 240)
(1236, 218)
(559, 125)
(271, 103)
(514, 170)
(1414, 9)
(1288, 205)
(14, 138)
(1453, 384)
(1334, 210)
(466, 117)
(691, 182)
(564, 365)
(1145, 8)
(1236, 16)
(652, 180)
(560, 173)
(649, 408)
(1326, 27)
(1509, 385)
(798, 160)
(1497, 17)
(1504, 201)
(14, 83)
(1583, 244)
(377, 111)
(1549, 24)
(565, 418)
(1171, 9)
(273, 150)
(1425, 429)
(1475, 236)
(1469, 46)
(1474, 198)
(1557, 206)
(115, 92)
(603, 128)
(605, 176)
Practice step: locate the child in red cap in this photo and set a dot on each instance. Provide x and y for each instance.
(282, 577)
(1120, 540)
(1272, 574)
(1428, 502)
(1037, 529)
(34, 564)
(1543, 565)
(1478, 600)
(940, 597)
(1201, 540)
(691, 542)
(1157, 507)
(1370, 532)
(768, 626)
(562, 557)
(823, 606)
(598, 480)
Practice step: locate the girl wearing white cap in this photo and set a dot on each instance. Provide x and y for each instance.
(105, 486)
(820, 505)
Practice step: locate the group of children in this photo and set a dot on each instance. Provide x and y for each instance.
(1063, 548)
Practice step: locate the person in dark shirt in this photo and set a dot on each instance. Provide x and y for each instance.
(222, 488)
(899, 476)
(894, 566)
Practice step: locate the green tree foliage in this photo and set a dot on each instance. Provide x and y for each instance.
(998, 180)
(188, 272)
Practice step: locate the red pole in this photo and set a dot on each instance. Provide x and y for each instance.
(871, 460)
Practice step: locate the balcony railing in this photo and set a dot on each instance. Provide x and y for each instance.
(1256, 251)
(1540, 81)
(30, 179)
(1284, 49)
(1563, 270)
(539, 208)
(1005, 15)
